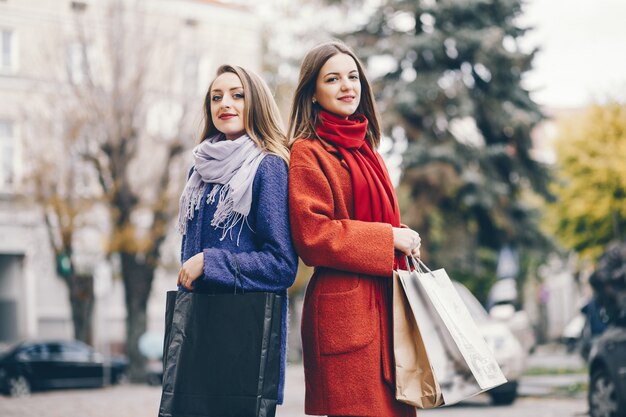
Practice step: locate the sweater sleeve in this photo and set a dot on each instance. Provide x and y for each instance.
(321, 239)
(273, 266)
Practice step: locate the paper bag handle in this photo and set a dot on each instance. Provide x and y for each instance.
(417, 264)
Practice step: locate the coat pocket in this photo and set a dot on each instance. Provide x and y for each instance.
(347, 321)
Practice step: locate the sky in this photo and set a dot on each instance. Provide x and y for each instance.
(583, 51)
(582, 55)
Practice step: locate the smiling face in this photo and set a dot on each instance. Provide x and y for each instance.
(228, 105)
(338, 87)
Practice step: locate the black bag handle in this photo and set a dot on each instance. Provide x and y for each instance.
(238, 274)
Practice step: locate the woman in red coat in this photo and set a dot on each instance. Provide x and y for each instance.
(345, 221)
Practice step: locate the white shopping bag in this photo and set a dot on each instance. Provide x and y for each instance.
(460, 359)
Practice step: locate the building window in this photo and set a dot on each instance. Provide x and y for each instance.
(78, 6)
(7, 50)
(205, 74)
(7, 154)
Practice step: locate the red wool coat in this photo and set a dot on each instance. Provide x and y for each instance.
(348, 357)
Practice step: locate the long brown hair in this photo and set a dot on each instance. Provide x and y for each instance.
(305, 114)
(261, 117)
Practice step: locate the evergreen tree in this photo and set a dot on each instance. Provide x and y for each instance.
(453, 97)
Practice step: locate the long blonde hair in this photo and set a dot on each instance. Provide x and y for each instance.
(261, 117)
(305, 114)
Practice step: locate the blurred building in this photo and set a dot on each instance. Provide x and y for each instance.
(546, 132)
(560, 290)
(33, 299)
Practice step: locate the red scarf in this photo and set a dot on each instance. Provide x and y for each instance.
(374, 197)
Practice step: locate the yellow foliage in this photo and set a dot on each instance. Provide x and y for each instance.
(591, 187)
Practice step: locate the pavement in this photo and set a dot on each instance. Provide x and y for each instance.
(546, 392)
(552, 371)
(554, 393)
(554, 356)
(118, 401)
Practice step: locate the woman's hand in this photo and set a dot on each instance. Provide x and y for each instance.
(407, 241)
(191, 270)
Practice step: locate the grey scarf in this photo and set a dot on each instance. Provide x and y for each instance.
(233, 165)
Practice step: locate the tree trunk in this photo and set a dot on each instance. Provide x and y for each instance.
(137, 276)
(615, 220)
(81, 301)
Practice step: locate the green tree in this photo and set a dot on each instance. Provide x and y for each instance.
(590, 210)
(449, 88)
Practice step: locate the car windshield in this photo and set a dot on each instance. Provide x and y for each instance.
(4, 349)
(8, 348)
(476, 310)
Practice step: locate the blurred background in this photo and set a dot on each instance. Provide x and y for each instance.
(504, 130)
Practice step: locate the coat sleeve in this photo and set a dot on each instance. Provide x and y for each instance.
(273, 266)
(320, 239)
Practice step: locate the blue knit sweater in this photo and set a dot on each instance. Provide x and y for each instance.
(265, 254)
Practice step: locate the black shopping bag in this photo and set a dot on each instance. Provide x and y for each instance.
(221, 355)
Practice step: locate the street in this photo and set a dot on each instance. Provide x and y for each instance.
(535, 402)
(143, 401)
(523, 407)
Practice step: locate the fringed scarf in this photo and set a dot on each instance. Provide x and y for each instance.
(233, 165)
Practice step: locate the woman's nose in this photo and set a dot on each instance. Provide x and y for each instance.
(226, 101)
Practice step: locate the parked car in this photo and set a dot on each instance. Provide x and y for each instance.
(507, 349)
(573, 332)
(42, 365)
(607, 374)
(154, 372)
(151, 347)
(503, 305)
(518, 321)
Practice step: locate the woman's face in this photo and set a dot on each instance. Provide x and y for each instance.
(338, 87)
(228, 105)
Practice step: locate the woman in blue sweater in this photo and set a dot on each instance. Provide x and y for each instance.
(233, 210)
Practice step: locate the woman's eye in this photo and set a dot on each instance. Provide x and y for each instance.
(216, 98)
(354, 77)
(331, 79)
(238, 95)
